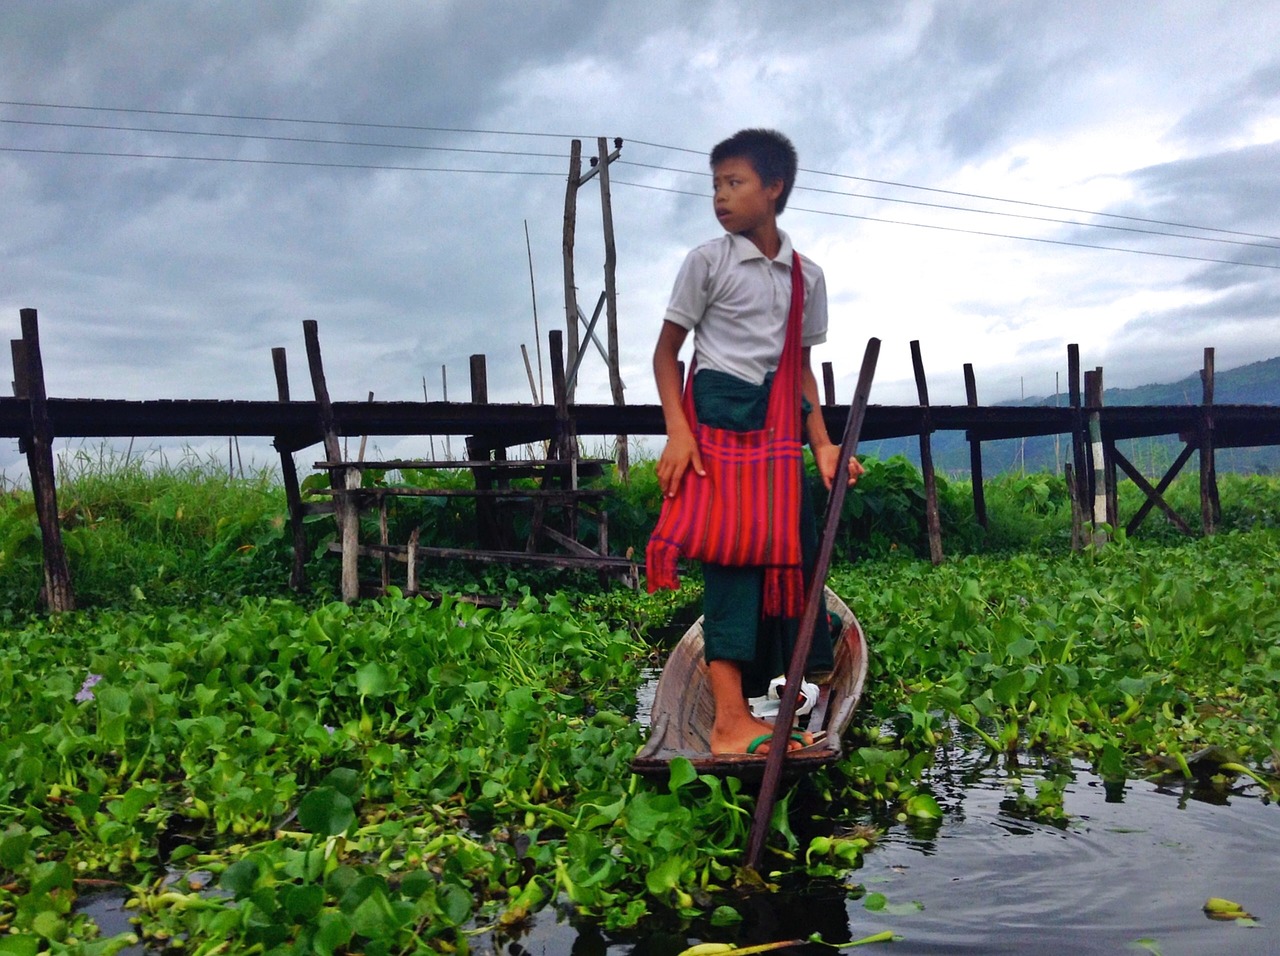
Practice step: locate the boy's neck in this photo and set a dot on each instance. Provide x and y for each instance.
(766, 238)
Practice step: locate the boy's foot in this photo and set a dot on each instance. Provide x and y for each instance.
(751, 737)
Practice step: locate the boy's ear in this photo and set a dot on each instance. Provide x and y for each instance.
(774, 189)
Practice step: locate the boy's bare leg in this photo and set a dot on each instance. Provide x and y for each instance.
(735, 726)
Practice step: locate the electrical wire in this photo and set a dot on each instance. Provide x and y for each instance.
(476, 131)
(973, 232)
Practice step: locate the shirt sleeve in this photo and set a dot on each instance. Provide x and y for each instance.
(689, 296)
(814, 329)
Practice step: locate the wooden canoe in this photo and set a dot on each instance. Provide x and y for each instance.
(683, 711)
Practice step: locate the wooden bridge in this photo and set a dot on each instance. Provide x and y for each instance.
(490, 429)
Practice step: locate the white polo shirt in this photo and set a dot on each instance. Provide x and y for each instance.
(737, 301)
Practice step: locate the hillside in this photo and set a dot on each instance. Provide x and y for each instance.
(1255, 384)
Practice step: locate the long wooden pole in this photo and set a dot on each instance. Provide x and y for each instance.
(611, 295)
(58, 594)
(567, 240)
(813, 601)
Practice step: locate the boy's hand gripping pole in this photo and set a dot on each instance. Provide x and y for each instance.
(813, 600)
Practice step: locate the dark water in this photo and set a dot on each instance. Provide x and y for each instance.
(1128, 872)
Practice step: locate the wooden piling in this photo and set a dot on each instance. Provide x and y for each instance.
(1210, 508)
(1097, 458)
(828, 384)
(58, 595)
(933, 522)
(346, 511)
(289, 476)
(975, 451)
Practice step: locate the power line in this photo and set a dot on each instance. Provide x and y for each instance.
(639, 142)
(477, 131)
(276, 162)
(278, 139)
(287, 119)
(1011, 215)
(973, 232)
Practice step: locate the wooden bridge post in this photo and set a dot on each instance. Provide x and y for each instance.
(975, 451)
(346, 512)
(488, 532)
(289, 475)
(1210, 507)
(1078, 442)
(58, 595)
(1097, 459)
(933, 523)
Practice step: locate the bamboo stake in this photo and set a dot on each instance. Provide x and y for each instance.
(541, 396)
(813, 600)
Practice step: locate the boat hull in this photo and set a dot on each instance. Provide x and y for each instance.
(683, 710)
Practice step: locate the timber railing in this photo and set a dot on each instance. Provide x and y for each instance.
(491, 428)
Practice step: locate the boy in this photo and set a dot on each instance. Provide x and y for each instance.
(735, 292)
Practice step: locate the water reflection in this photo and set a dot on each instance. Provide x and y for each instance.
(1127, 869)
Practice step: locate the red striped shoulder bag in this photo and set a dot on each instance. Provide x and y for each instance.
(745, 511)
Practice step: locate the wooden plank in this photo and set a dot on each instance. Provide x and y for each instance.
(398, 552)
(514, 467)
(546, 495)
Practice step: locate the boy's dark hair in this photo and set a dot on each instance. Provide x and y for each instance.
(770, 152)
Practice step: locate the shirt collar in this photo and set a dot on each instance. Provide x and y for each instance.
(745, 249)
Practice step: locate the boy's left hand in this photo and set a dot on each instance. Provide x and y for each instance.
(827, 459)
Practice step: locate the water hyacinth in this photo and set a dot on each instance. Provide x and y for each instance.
(86, 689)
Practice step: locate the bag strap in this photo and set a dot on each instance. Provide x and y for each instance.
(783, 411)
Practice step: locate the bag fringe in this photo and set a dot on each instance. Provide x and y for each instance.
(661, 570)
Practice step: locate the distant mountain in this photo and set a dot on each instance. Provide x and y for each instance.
(1255, 384)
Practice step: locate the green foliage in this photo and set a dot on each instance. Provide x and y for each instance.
(140, 531)
(1132, 655)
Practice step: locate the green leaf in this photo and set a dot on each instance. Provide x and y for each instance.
(372, 680)
(240, 878)
(725, 916)
(19, 945)
(923, 807)
(326, 812)
(682, 772)
(14, 847)
(302, 903)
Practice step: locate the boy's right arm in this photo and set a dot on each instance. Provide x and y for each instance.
(681, 450)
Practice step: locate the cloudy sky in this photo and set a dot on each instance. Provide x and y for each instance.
(182, 184)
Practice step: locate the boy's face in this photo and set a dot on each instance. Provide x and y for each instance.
(742, 202)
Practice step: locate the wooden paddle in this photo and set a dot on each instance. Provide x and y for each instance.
(813, 601)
